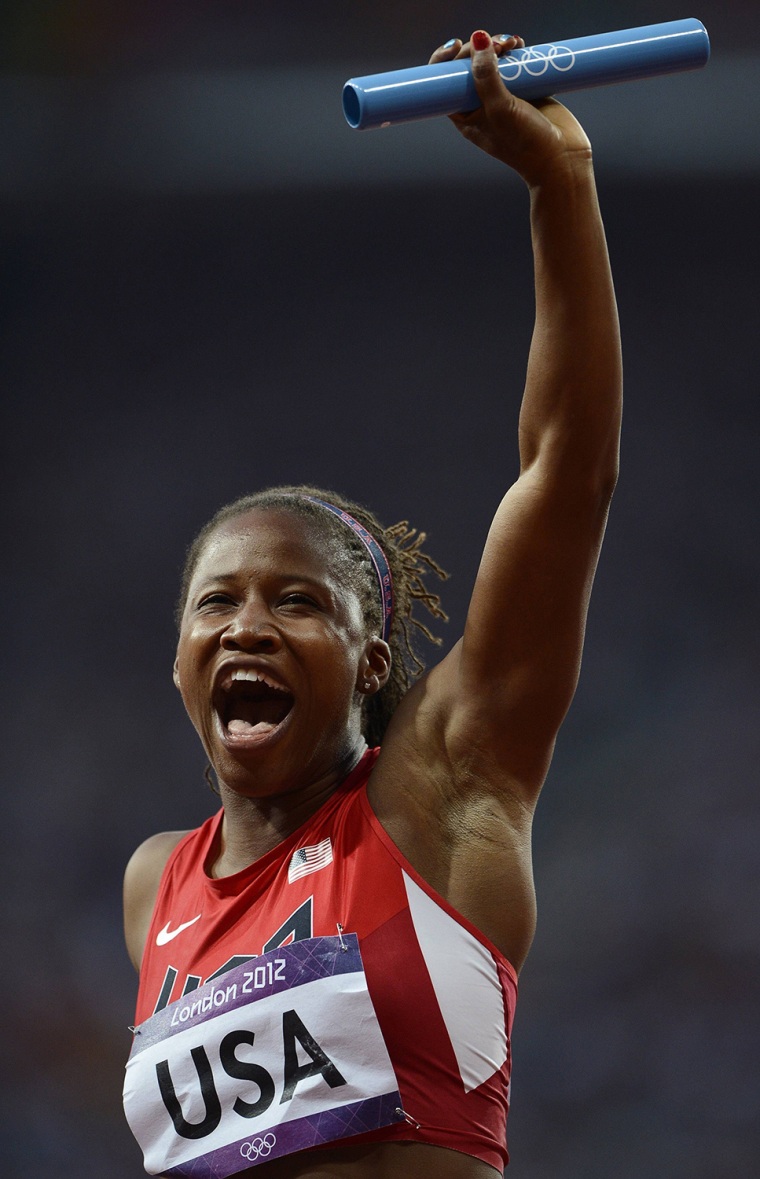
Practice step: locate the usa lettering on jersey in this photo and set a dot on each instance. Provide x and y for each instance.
(298, 927)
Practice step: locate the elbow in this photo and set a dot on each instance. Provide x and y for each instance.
(600, 488)
(600, 460)
(588, 473)
(608, 478)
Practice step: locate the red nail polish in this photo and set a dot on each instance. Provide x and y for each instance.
(480, 40)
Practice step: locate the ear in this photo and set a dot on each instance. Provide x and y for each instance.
(175, 675)
(374, 667)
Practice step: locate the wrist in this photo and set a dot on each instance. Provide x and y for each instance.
(573, 169)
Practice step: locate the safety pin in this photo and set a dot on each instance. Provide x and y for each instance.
(408, 1118)
(343, 945)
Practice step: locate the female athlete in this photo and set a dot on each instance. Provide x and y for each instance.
(328, 966)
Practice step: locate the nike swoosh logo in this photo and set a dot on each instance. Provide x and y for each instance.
(165, 936)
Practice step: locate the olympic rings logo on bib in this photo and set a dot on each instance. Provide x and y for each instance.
(258, 1148)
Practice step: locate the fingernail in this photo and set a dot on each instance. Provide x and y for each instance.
(480, 40)
(450, 44)
(506, 36)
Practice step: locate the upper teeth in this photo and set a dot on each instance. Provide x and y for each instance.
(256, 677)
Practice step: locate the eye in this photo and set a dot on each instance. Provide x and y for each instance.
(299, 599)
(216, 599)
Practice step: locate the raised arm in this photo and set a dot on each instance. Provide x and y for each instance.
(506, 687)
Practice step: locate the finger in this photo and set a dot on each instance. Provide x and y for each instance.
(507, 41)
(446, 52)
(485, 72)
(456, 49)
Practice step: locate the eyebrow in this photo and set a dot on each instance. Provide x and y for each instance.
(227, 578)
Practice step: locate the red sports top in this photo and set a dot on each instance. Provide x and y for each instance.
(443, 994)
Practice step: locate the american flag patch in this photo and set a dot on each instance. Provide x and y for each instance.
(310, 859)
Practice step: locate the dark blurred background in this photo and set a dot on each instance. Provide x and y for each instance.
(211, 284)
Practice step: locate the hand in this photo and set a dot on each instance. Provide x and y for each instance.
(531, 137)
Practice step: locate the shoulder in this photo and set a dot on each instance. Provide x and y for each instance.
(141, 880)
(148, 861)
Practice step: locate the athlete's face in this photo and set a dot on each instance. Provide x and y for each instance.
(272, 656)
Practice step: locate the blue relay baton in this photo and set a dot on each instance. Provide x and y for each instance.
(423, 92)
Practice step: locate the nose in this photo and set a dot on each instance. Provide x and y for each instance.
(251, 629)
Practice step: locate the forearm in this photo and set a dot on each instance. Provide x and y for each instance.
(570, 417)
(572, 403)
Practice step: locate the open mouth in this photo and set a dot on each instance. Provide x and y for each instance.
(252, 705)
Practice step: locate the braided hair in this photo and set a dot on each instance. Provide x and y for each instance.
(409, 566)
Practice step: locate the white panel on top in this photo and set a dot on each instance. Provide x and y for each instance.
(466, 984)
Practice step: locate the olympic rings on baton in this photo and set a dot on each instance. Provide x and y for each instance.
(258, 1147)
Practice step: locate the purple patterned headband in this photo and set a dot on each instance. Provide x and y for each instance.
(377, 556)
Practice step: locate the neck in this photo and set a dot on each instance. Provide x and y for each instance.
(251, 827)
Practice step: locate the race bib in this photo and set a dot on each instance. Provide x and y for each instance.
(279, 1054)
